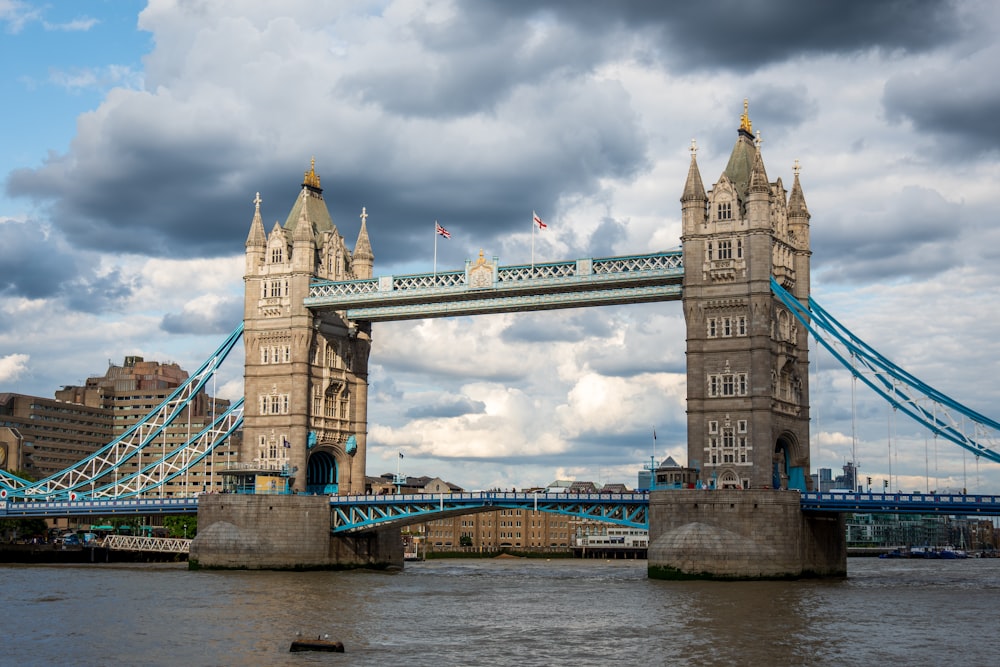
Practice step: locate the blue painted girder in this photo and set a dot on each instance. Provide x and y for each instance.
(354, 513)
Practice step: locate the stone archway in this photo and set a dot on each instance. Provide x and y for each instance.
(322, 474)
(787, 471)
(729, 480)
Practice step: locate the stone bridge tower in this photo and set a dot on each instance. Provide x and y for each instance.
(306, 374)
(747, 356)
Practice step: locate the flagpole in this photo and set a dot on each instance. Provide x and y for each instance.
(533, 214)
(435, 252)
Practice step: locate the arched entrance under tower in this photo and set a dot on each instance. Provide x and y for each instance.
(321, 474)
(784, 474)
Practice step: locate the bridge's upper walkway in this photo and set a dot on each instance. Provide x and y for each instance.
(485, 287)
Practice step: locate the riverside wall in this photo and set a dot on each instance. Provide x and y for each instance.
(742, 534)
(264, 532)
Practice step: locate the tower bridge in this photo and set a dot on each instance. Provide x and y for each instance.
(310, 302)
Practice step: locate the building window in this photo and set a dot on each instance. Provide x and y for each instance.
(709, 252)
(725, 249)
(275, 288)
(739, 248)
(276, 256)
(741, 426)
(727, 384)
(712, 327)
(741, 325)
(727, 326)
(725, 210)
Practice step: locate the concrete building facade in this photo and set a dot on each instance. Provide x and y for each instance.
(45, 436)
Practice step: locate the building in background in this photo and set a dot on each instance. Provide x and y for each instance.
(45, 436)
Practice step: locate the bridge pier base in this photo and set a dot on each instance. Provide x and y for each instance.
(742, 535)
(250, 532)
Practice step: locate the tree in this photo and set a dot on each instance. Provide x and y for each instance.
(181, 525)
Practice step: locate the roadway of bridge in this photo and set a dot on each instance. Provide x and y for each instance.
(357, 513)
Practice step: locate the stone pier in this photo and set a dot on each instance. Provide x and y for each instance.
(251, 532)
(742, 534)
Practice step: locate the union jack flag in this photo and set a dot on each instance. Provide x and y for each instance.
(441, 230)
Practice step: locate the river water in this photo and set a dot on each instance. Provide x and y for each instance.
(500, 612)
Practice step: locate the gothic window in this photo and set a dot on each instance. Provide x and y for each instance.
(275, 288)
(725, 249)
(286, 288)
(725, 210)
(712, 327)
(288, 353)
(265, 355)
(713, 426)
(276, 255)
(741, 426)
(275, 405)
(727, 384)
(708, 252)
(284, 404)
(263, 289)
(741, 325)
(272, 450)
(728, 439)
(727, 326)
(739, 248)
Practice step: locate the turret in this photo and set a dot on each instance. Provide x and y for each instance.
(363, 259)
(256, 241)
(693, 199)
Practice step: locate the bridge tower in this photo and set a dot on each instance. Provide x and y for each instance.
(748, 387)
(747, 357)
(306, 374)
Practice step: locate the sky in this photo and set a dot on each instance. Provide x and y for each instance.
(136, 134)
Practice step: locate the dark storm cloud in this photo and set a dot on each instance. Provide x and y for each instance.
(195, 321)
(913, 237)
(37, 264)
(743, 35)
(144, 193)
(958, 107)
(447, 406)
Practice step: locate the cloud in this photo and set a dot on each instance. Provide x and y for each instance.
(81, 24)
(15, 15)
(12, 366)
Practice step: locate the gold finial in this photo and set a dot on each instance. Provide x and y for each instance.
(745, 123)
(311, 179)
(481, 259)
(694, 147)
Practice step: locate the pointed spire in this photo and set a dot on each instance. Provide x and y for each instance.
(694, 189)
(363, 248)
(758, 175)
(256, 237)
(796, 201)
(303, 227)
(363, 258)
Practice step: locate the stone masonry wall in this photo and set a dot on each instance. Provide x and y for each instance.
(739, 534)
